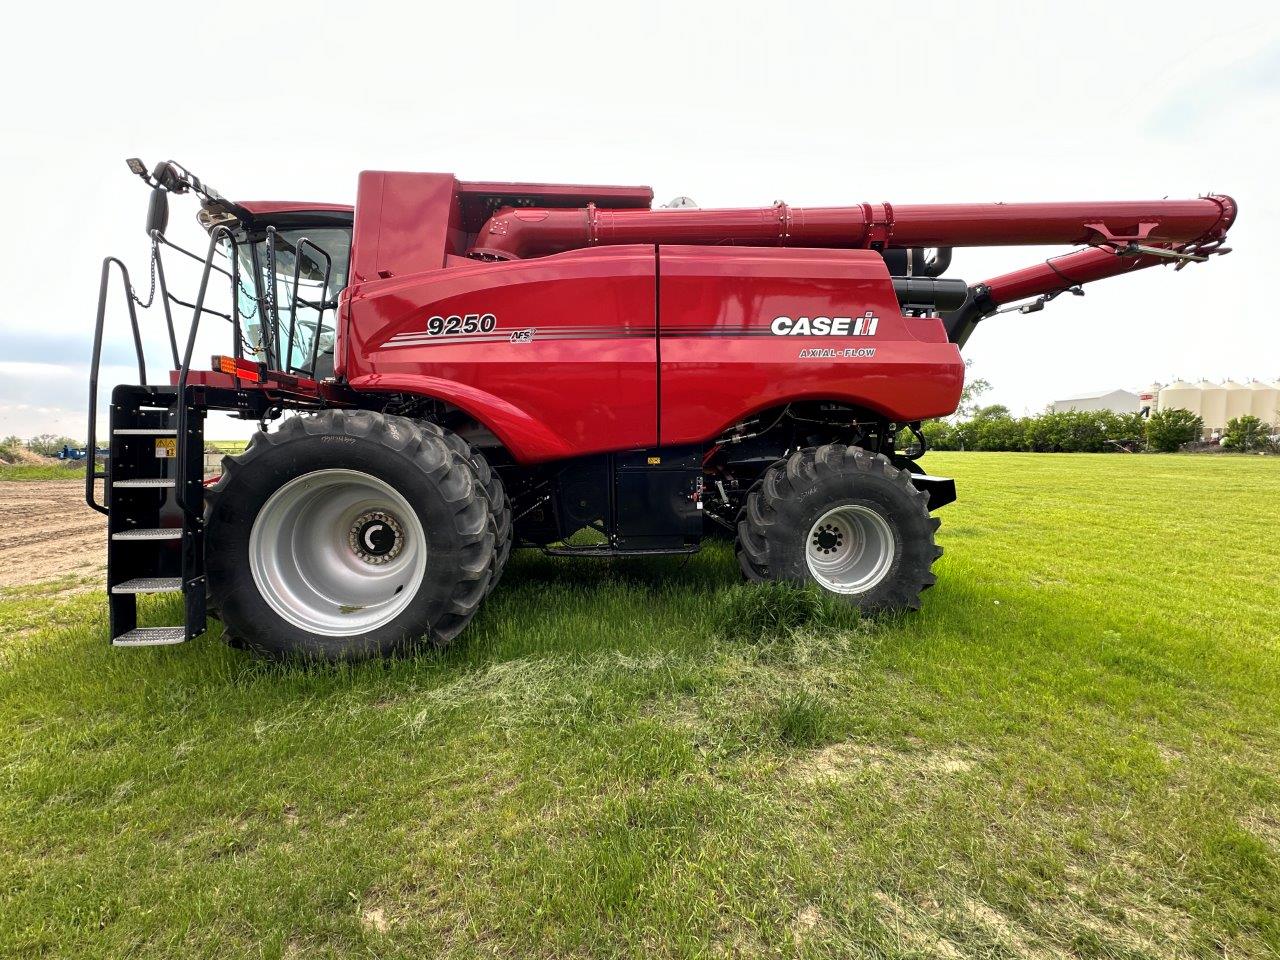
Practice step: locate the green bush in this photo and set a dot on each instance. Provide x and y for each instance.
(940, 435)
(1074, 431)
(1245, 433)
(1071, 431)
(998, 433)
(1170, 429)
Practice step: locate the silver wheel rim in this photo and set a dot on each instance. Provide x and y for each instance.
(850, 549)
(337, 552)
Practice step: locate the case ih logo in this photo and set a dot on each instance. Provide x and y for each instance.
(863, 326)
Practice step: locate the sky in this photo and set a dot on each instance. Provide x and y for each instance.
(734, 104)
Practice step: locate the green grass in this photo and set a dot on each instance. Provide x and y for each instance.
(1073, 750)
(69, 470)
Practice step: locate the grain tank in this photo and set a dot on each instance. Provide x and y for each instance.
(1239, 400)
(1180, 395)
(1264, 402)
(1213, 407)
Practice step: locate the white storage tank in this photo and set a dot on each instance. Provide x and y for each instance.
(1264, 402)
(1239, 400)
(1180, 395)
(1213, 406)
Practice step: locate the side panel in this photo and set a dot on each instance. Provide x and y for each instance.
(723, 357)
(557, 356)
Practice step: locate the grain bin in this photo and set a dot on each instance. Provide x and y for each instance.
(1180, 395)
(1239, 400)
(1264, 402)
(1213, 406)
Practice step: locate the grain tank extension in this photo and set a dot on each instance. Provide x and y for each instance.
(451, 370)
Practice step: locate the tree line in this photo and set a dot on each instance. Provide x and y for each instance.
(1088, 431)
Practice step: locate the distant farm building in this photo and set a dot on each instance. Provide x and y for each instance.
(1117, 401)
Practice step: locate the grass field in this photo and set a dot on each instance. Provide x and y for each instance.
(42, 471)
(1073, 750)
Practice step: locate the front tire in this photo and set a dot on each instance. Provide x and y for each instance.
(499, 506)
(347, 535)
(844, 519)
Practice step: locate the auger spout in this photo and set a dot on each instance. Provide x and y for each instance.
(520, 233)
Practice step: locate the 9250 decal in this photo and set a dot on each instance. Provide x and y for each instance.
(455, 324)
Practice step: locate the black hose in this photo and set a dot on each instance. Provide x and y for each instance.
(938, 265)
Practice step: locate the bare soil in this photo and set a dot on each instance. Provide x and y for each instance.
(47, 531)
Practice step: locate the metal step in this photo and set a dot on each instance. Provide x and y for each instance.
(159, 483)
(149, 585)
(145, 432)
(149, 533)
(151, 637)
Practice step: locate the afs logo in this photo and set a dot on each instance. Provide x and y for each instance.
(863, 326)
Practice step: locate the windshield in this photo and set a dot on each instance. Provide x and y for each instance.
(305, 327)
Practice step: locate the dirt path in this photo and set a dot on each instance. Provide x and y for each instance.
(46, 531)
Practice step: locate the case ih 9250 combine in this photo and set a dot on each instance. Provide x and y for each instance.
(463, 368)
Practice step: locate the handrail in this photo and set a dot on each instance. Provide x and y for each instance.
(91, 468)
(187, 253)
(156, 238)
(270, 323)
(293, 305)
(217, 234)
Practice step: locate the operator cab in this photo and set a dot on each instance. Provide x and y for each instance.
(292, 262)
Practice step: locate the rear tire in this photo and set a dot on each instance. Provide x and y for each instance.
(846, 520)
(347, 535)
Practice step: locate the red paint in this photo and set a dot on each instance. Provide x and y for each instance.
(711, 382)
(267, 207)
(519, 233)
(546, 398)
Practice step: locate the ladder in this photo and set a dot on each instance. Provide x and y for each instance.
(154, 502)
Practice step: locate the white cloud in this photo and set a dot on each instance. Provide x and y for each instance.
(28, 370)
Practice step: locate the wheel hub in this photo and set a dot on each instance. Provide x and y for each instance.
(850, 549)
(376, 537)
(828, 539)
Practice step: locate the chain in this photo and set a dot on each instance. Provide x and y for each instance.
(151, 297)
(252, 299)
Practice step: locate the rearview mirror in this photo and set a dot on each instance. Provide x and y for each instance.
(158, 211)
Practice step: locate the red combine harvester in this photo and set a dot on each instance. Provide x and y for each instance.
(455, 369)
